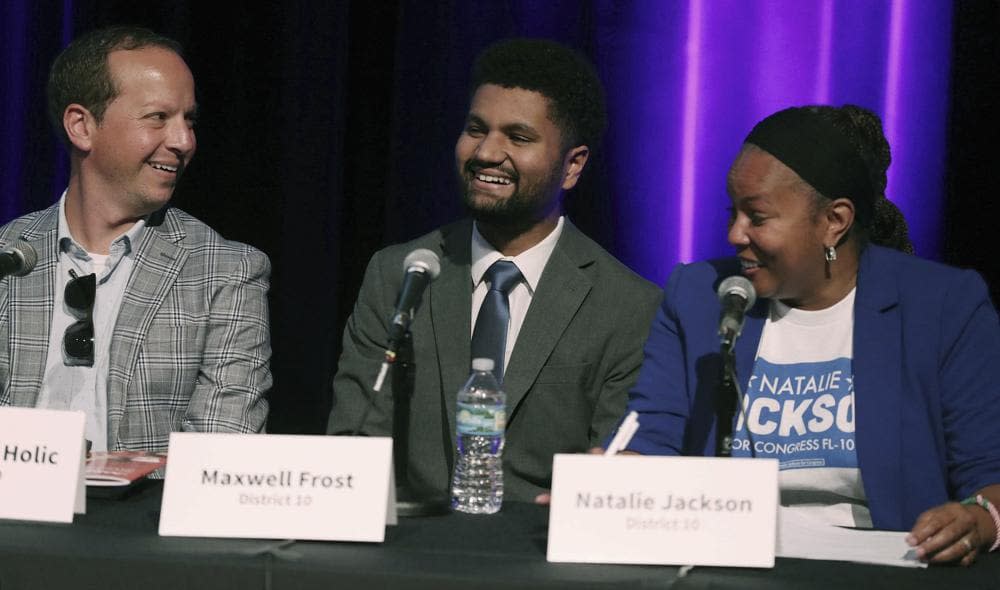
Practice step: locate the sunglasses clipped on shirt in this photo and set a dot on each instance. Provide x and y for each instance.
(78, 341)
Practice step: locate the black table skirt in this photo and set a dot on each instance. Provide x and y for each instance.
(115, 545)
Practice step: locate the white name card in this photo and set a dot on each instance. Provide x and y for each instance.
(663, 510)
(41, 461)
(278, 487)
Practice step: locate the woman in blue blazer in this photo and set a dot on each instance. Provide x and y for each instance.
(919, 343)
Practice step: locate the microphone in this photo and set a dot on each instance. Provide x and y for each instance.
(737, 295)
(17, 259)
(420, 267)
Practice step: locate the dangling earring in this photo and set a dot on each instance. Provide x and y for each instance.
(830, 253)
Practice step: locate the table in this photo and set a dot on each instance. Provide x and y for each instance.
(115, 545)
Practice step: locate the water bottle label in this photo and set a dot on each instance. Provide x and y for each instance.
(480, 419)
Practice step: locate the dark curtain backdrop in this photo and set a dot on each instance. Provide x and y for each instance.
(327, 131)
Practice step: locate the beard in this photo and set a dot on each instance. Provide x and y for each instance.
(530, 202)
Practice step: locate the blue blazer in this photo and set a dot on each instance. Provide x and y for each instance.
(926, 378)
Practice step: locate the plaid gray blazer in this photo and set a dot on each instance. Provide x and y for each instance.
(191, 346)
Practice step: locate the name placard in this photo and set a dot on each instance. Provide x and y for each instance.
(41, 460)
(278, 487)
(663, 510)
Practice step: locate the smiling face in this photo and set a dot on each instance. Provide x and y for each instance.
(512, 167)
(779, 230)
(145, 139)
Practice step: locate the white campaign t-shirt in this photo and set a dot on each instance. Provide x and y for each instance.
(799, 407)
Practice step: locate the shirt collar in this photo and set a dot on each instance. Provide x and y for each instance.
(531, 262)
(819, 317)
(121, 246)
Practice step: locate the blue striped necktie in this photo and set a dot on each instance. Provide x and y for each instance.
(489, 339)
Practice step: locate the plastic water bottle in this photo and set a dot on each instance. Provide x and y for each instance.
(480, 417)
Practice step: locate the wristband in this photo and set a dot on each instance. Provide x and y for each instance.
(989, 507)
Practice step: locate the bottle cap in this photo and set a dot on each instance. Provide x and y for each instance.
(482, 364)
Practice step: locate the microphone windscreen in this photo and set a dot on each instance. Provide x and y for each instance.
(27, 254)
(424, 259)
(740, 286)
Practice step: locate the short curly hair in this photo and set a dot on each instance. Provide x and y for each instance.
(566, 78)
(80, 74)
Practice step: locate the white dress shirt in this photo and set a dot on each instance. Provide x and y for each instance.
(81, 388)
(531, 263)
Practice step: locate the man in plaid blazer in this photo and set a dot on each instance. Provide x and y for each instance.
(136, 313)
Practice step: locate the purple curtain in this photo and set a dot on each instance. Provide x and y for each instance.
(328, 128)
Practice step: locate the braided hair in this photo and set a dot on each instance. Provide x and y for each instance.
(863, 130)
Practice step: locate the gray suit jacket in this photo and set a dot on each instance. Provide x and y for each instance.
(191, 345)
(577, 354)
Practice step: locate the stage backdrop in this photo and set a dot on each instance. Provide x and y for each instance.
(327, 128)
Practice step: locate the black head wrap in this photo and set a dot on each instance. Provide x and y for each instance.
(820, 154)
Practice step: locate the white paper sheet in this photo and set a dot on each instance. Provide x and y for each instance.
(802, 537)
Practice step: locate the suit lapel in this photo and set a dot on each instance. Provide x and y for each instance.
(32, 298)
(158, 263)
(561, 290)
(877, 386)
(451, 311)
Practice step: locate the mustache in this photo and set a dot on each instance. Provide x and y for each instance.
(473, 166)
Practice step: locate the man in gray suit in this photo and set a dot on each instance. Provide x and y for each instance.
(136, 313)
(577, 317)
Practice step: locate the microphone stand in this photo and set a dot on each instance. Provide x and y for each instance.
(408, 502)
(727, 395)
(737, 296)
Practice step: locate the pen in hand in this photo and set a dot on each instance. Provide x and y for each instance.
(628, 428)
